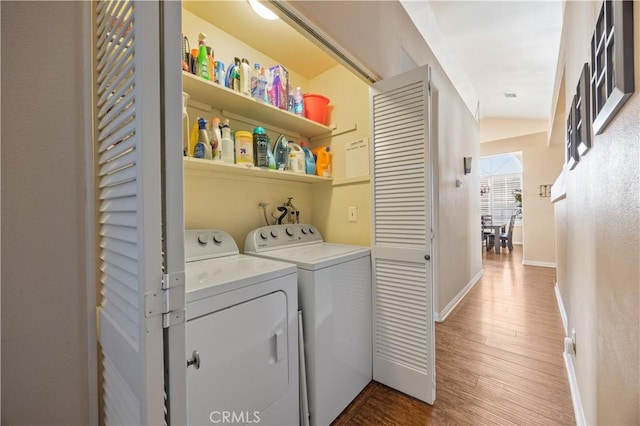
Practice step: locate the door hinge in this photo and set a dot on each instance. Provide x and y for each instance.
(173, 299)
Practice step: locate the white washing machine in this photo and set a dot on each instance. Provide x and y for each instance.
(334, 291)
(242, 334)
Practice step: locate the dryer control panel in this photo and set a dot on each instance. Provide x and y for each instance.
(200, 244)
(279, 236)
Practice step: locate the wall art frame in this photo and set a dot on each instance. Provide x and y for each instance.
(612, 79)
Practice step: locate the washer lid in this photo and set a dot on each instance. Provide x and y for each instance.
(211, 277)
(316, 256)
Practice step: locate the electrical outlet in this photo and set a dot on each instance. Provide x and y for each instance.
(353, 214)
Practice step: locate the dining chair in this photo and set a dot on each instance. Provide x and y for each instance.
(506, 239)
(488, 238)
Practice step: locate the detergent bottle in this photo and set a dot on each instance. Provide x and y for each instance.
(323, 161)
(215, 138)
(310, 162)
(296, 158)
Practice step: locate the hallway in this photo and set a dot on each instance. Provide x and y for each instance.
(498, 357)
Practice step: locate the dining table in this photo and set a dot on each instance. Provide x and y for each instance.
(497, 227)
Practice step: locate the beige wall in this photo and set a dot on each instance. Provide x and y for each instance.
(494, 128)
(385, 39)
(541, 165)
(44, 316)
(599, 246)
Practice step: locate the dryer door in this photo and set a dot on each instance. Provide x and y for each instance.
(243, 362)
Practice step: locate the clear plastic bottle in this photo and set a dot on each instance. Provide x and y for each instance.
(226, 143)
(235, 75)
(298, 103)
(245, 77)
(255, 76)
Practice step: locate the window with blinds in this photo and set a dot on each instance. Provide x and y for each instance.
(500, 201)
(500, 179)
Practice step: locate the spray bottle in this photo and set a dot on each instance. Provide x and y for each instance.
(202, 68)
(202, 148)
(226, 143)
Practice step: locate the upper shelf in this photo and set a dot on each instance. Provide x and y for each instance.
(225, 99)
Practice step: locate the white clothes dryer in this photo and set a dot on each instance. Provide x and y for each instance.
(241, 334)
(334, 291)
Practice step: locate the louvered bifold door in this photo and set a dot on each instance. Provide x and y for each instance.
(401, 242)
(127, 154)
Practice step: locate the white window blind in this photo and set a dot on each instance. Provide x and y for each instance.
(500, 201)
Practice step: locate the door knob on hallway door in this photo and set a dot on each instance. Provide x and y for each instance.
(427, 257)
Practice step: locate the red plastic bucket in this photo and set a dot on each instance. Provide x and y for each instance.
(316, 107)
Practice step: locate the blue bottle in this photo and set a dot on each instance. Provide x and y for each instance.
(310, 162)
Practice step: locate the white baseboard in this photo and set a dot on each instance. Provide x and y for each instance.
(563, 313)
(575, 393)
(441, 316)
(535, 263)
(517, 243)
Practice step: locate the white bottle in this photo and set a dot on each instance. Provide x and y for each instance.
(202, 148)
(245, 77)
(228, 151)
(297, 162)
(215, 138)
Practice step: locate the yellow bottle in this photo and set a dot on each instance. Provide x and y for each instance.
(193, 138)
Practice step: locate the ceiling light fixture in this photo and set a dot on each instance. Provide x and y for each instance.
(509, 95)
(262, 10)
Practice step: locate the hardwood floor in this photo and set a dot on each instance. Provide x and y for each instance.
(498, 358)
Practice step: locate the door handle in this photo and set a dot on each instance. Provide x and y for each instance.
(427, 257)
(195, 360)
(280, 345)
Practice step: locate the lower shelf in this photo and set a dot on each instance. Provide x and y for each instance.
(199, 164)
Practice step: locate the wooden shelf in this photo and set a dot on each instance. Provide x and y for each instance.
(226, 99)
(216, 167)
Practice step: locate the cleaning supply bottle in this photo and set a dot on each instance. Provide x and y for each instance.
(226, 144)
(215, 138)
(323, 161)
(296, 158)
(244, 148)
(310, 162)
(260, 147)
(255, 75)
(193, 138)
(212, 64)
(235, 75)
(185, 125)
(298, 103)
(281, 153)
(245, 77)
(219, 72)
(202, 148)
(203, 59)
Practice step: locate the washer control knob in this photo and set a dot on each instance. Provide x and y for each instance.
(274, 233)
(264, 235)
(217, 238)
(202, 239)
(289, 231)
(312, 231)
(304, 231)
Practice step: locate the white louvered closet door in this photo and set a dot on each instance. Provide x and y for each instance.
(128, 158)
(403, 328)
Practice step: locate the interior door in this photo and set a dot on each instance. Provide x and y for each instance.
(403, 327)
(127, 146)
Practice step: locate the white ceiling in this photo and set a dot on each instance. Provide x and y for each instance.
(489, 48)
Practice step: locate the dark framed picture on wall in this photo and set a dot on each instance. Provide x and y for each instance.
(582, 113)
(571, 151)
(612, 53)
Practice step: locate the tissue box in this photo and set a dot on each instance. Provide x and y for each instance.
(278, 86)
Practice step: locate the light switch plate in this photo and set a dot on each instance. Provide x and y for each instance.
(353, 214)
